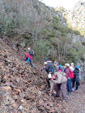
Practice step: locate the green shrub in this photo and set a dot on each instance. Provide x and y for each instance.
(42, 49)
(8, 25)
(48, 33)
(55, 41)
(71, 55)
(63, 29)
(48, 19)
(55, 19)
(37, 8)
(58, 33)
(79, 48)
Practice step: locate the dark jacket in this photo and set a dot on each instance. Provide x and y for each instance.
(31, 52)
(49, 67)
(76, 75)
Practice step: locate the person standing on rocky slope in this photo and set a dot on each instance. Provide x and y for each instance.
(76, 77)
(49, 69)
(72, 80)
(31, 52)
(67, 71)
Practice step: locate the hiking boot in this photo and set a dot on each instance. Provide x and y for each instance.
(76, 91)
(56, 95)
(73, 89)
(69, 93)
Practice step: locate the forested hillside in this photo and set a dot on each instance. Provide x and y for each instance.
(31, 23)
(23, 89)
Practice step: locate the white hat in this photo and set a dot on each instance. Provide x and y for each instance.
(67, 64)
(29, 48)
(72, 64)
(45, 63)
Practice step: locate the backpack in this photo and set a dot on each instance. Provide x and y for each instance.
(31, 52)
(71, 75)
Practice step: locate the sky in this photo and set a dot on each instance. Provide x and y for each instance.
(67, 4)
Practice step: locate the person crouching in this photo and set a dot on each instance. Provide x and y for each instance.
(59, 83)
(28, 58)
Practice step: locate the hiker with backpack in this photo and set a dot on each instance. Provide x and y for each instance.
(59, 84)
(68, 76)
(31, 52)
(72, 69)
(76, 78)
(49, 69)
(28, 58)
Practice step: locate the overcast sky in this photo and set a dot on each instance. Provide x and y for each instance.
(68, 4)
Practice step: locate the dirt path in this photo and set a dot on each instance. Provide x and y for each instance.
(76, 102)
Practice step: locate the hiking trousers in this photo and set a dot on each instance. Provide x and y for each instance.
(48, 82)
(77, 85)
(61, 87)
(69, 87)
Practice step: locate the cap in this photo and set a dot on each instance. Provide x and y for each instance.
(46, 59)
(77, 67)
(26, 54)
(67, 64)
(29, 48)
(60, 66)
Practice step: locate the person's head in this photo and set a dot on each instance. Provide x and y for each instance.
(63, 67)
(77, 67)
(67, 65)
(46, 59)
(60, 66)
(28, 48)
(72, 64)
(26, 54)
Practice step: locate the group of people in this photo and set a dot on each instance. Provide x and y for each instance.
(62, 78)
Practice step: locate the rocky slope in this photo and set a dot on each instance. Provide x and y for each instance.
(23, 89)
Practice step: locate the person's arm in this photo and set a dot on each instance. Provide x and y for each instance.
(28, 59)
(46, 68)
(24, 58)
(43, 69)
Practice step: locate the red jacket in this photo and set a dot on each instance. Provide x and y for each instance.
(27, 55)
